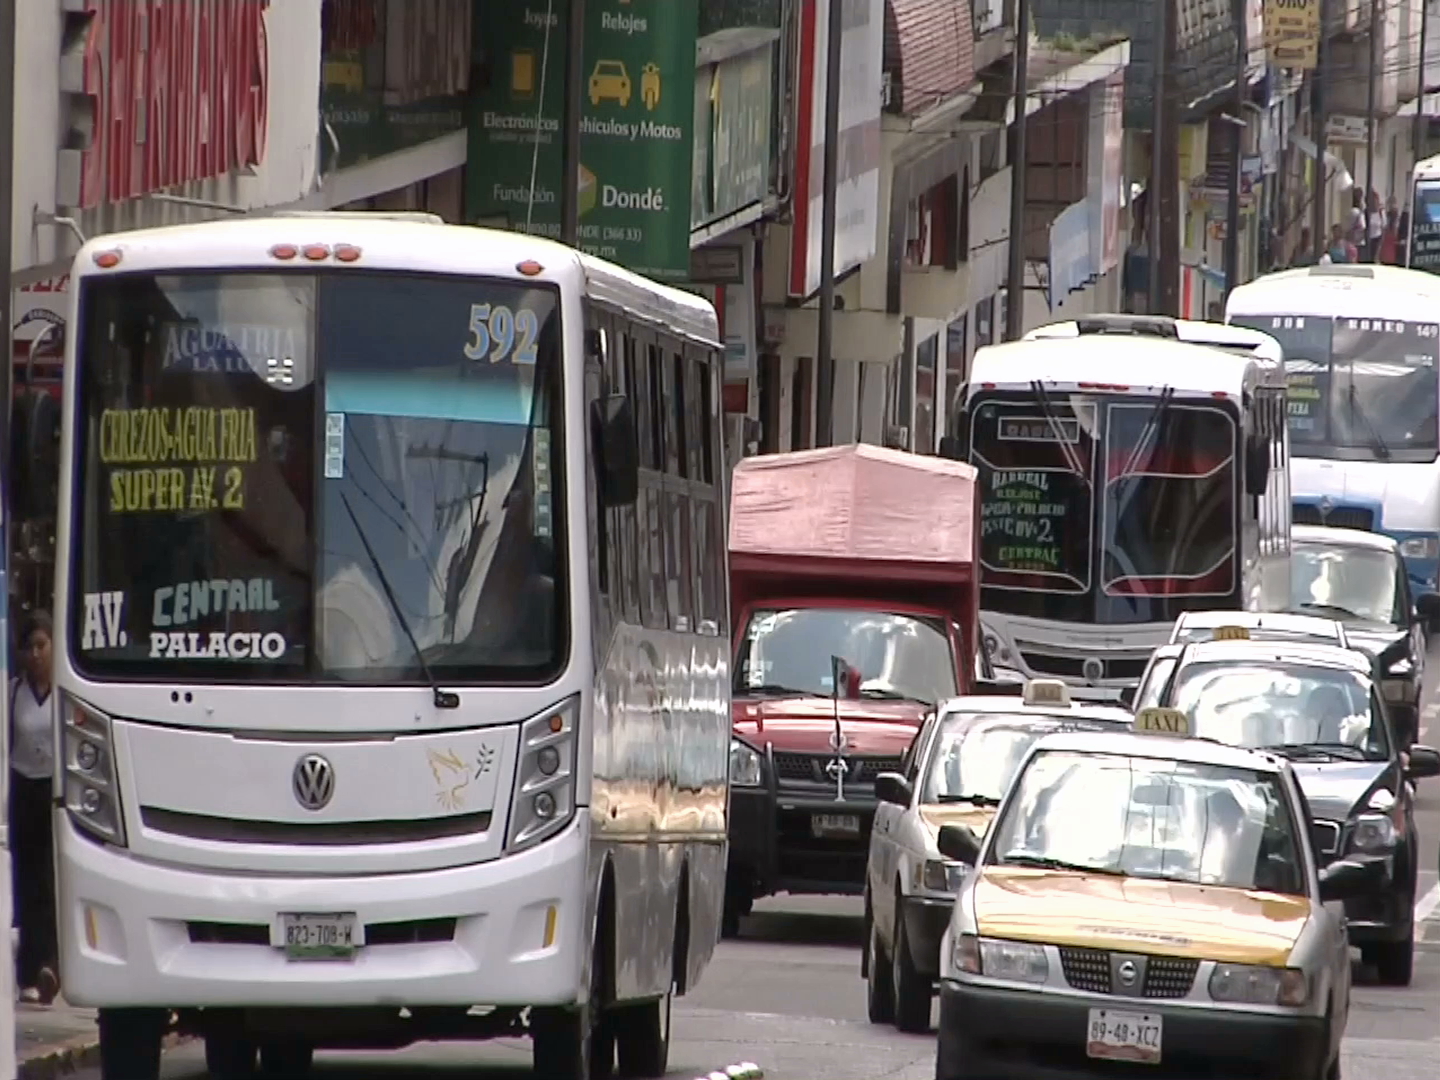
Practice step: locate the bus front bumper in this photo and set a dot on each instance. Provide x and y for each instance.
(137, 933)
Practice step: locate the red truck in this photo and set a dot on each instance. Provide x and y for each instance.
(853, 593)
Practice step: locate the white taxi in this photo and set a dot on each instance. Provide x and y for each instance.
(956, 770)
(1145, 898)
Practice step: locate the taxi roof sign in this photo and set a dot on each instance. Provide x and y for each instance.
(1046, 692)
(1231, 633)
(1158, 721)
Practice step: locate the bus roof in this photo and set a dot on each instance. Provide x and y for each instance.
(1427, 168)
(1138, 363)
(398, 242)
(1368, 291)
(1240, 339)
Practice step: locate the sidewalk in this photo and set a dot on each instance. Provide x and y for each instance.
(54, 1041)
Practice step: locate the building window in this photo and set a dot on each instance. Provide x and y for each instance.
(927, 357)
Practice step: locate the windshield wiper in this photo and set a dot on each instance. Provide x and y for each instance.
(1382, 449)
(1342, 612)
(972, 800)
(1318, 749)
(444, 699)
(1045, 862)
(775, 690)
(1042, 397)
(879, 693)
(1151, 428)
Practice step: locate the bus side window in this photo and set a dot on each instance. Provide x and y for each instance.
(627, 517)
(650, 550)
(678, 576)
(705, 502)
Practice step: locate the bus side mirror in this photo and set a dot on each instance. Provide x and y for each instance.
(1257, 466)
(950, 448)
(617, 450)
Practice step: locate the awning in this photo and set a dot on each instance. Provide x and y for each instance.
(1334, 164)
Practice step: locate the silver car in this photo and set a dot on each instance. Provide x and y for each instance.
(955, 771)
(1146, 898)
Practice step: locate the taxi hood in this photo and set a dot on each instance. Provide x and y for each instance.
(806, 724)
(1136, 915)
(937, 815)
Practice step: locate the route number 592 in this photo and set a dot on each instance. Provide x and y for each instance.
(498, 334)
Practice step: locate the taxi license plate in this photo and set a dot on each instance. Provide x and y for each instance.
(321, 937)
(835, 825)
(1124, 1036)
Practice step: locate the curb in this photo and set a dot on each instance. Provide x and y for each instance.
(67, 1058)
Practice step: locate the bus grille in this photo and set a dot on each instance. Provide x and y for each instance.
(1339, 517)
(318, 834)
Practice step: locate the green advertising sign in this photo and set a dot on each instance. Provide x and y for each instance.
(636, 127)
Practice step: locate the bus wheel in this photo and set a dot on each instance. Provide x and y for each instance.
(575, 1043)
(642, 1036)
(130, 1043)
(286, 1060)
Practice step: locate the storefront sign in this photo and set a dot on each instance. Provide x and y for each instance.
(1071, 264)
(732, 135)
(636, 128)
(395, 74)
(1292, 33)
(179, 92)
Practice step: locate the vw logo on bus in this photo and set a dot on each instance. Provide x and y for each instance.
(313, 782)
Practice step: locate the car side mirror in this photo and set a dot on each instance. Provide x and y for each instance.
(1424, 762)
(1349, 878)
(1127, 696)
(617, 450)
(1427, 606)
(959, 844)
(893, 788)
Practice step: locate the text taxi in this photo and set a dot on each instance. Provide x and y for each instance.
(955, 772)
(1145, 898)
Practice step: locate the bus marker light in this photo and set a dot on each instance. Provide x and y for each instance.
(347, 252)
(107, 259)
(552, 918)
(316, 252)
(284, 251)
(557, 723)
(529, 268)
(92, 932)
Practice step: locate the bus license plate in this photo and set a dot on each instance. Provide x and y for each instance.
(321, 937)
(1124, 1036)
(835, 825)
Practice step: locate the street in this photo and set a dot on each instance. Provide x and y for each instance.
(788, 996)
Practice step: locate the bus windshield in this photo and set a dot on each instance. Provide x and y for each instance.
(1425, 227)
(1108, 509)
(308, 477)
(1359, 388)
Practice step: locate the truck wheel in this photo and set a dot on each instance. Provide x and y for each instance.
(879, 991)
(575, 1043)
(229, 1056)
(130, 1043)
(286, 1060)
(1394, 961)
(642, 1037)
(912, 990)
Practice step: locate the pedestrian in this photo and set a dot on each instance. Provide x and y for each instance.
(1390, 240)
(1374, 227)
(1342, 249)
(32, 841)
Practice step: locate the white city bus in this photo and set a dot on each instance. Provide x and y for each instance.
(392, 644)
(1362, 352)
(1125, 478)
(1422, 248)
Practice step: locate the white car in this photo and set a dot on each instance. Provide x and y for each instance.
(1258, 626)
(1146, 901)
(955, 771)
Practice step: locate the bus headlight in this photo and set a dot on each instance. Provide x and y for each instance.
(544, 798)
(744, 764)
(92, 790)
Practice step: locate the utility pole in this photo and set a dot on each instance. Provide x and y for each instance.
(1015, 277)
(1170, 210)
(7, 292)
(1237, 151)
(1418, 136)
(1370, 122)
(570, 133)
(1319, 111)
(830, 172)
(1158, 149)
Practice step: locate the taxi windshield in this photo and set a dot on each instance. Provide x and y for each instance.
(1282, 706)
(1150, 818)
(899, 657)
(1347, 582)
(975, 757)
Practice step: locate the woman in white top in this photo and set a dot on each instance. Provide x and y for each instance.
(32, 843)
